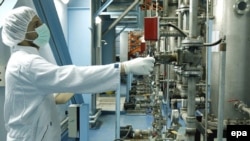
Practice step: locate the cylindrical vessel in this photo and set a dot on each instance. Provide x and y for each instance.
(234, 26)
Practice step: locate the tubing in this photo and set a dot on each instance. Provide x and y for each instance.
(221, 91)
(175, 27)
(213, 44)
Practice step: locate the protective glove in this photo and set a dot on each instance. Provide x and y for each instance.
(139, 66)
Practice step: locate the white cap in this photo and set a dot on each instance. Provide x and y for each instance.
(15, 25)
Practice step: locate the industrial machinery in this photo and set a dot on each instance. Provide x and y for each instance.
(199, 87)
(201, 71)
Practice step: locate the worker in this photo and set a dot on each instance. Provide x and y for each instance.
(29, 108)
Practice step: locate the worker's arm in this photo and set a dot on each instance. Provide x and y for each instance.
(62, 98)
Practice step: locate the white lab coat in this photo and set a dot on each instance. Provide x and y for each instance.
(29, 109)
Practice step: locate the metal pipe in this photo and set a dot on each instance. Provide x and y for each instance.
(97, 114)
(247, 110)
(98, 41)
(121, 16)
(105, 5)
(186, 2)
(117, 112)
(190, 130)
(94, 118)
(179, 26)
(99, 34)
(242, 107)
(165, 8)
(211, 7)
(168, 78)
(193, 21)
(208, 71)
(128, 86)
(169, 18)
(157, 13)
(221, 91)
(64, 124)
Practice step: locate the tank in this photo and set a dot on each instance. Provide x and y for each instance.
(233, 23)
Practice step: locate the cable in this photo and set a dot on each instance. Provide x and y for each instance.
(124, 137)
(213, 44)
(175, 27)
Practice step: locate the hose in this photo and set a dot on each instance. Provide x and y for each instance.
(123, 138)
(212, 44)
(175, 27)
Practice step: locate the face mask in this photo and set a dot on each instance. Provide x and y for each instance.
(43, 35)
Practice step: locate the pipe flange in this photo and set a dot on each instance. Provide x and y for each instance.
(191, 42)
(191, 73)
(241, 6)
(182, 9)
(190, 119)
(190, 130)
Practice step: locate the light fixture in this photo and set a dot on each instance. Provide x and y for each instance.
(65, 1)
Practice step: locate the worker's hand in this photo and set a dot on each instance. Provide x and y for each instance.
(139, 66)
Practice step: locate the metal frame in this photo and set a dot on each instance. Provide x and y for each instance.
(47, 12)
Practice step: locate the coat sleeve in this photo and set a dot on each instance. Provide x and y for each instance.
(51, 78)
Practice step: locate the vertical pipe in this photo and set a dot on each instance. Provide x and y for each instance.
(190, 131)
(99, 41)
(221, 91)
(99, 34)
(157, 69)
(165, 8)
(156, 10)
(168, 78)
(180, 26)
(208, 69)
(193, 10)
(211, 6)
(128, 86)
(186, 2)
(191, 96)
(117, 113)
